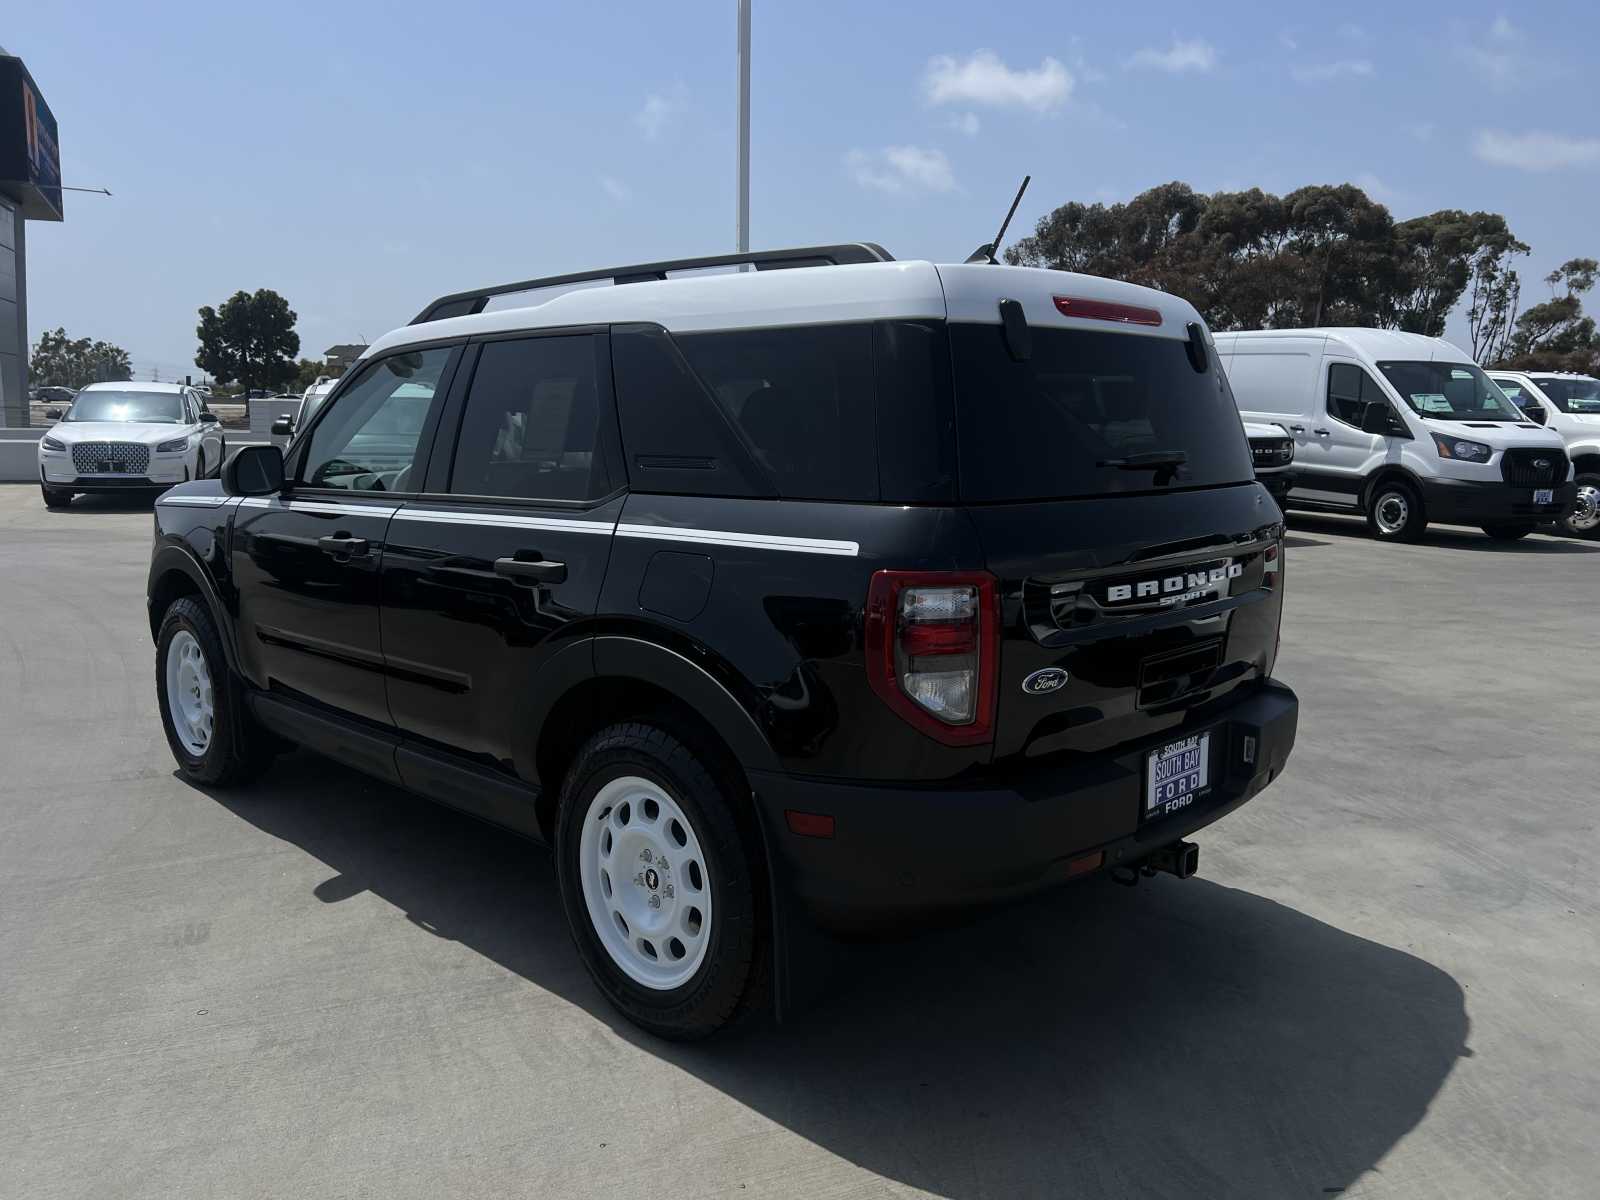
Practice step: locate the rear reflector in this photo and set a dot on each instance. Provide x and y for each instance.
(817, 825)
(1105, 310)
(1089, 862)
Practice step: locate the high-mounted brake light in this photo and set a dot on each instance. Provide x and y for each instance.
(1105, 310)
(933, 649)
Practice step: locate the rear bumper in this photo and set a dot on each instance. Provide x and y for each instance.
(1277, 482)
(901, 851)
(1490, 502)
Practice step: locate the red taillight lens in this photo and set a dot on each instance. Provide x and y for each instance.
(933, 647)
(1105, 310)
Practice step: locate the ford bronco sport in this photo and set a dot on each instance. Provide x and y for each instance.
(825, 593)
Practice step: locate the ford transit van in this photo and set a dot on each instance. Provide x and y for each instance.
(1401, 428)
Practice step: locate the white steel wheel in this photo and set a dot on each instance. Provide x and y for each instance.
(189, 693)
(645, 884)
(1392, 511)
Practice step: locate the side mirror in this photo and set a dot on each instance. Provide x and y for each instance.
(1380, 419)
(207, 417)
(283, 427)
(53, 414)
(253, 471)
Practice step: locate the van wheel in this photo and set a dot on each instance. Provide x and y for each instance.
(1395, 513)
(659, 881)
(1583, 520)
(55, 497)
(211, 736)
(1508, 533)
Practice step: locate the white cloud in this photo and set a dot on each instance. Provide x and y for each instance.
(661, 109)
(1500, 57)
(966, 123)
(1196, 55)
(1322, 72)
(1536, 150)
(1422, 130)
(1288, 41)
(615, 188)
(984, 79)
(902, 169)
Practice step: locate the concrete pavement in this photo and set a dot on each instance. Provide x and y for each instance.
(1385, 982)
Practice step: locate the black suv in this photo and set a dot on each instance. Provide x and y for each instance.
(771, 599)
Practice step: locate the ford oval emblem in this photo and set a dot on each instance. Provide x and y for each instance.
(1041, 682)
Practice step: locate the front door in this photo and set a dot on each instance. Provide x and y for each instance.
(1333, 457)
(306, 562)
(484, 577)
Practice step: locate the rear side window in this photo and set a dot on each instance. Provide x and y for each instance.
(531, 426)
(804, 400)
(1077, 416)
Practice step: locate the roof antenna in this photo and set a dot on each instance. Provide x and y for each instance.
(986, 252)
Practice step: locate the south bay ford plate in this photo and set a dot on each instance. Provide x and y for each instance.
(1175, 774)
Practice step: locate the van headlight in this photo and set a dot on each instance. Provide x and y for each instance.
(1461, 449)
(49, 443)
(172, 447)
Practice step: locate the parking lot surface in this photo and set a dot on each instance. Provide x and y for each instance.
(1384, 982)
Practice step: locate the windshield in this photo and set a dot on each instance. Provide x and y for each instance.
(1088, 414)
(161, 408)
(1446, 391)
(1577, 396)
(308, 407)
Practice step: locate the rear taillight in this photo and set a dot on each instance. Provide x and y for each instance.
(933, 648)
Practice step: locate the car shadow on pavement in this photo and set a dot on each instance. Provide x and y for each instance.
(1449, 537)
(106, 502)
(1180, 1038)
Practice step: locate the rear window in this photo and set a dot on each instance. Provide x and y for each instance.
(1077, 415)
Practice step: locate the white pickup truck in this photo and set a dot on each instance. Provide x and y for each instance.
(1570, 405)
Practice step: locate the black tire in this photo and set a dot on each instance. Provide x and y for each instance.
(238, 749)
(1395, 512)
(1508, 533)
(1583, 521)
(55, 497)
(731, 978)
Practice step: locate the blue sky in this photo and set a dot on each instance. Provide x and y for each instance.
(361, 158)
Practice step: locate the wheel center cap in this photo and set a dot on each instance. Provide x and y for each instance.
(651, 879)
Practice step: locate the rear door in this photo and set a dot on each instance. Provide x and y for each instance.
(306, 562)
(1112, 489)
(488, 576)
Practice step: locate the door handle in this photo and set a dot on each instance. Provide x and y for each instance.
(1321, 432)
(339, 544)
(1297, 429)
(531, 570)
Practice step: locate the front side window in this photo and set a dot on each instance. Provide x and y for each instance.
(369, 439)
(531, 426)
(1447, 391)
(1578, 396)
(1350, 391)
(159, 408)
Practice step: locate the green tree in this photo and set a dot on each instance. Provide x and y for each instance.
(249, 339)
(1434, 259)
(74, 362)
(1556, 335)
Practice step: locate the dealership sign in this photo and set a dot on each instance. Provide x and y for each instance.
(30, 152)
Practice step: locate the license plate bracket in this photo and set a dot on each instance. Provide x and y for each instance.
(1176, 775)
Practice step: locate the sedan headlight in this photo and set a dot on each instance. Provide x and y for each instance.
(172, 447)
(1461, 449)
(50, 443)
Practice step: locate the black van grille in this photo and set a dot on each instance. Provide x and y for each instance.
(1534, 468)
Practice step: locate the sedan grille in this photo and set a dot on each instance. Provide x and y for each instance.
(1534, 468)
(122, 458)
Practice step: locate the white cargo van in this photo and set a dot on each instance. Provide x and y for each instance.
(1402, 428)
(1570, 405)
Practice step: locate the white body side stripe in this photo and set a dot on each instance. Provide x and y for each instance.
(503, 520)
(752, 541)
(327, 507)
(197, 501)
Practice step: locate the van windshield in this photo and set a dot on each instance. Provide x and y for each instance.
(1577, 396)
(1090, 413)
(1447, 391)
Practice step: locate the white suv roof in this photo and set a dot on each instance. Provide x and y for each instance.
(133, 385)
(813, 295)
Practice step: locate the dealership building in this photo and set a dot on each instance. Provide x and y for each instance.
(30, 190)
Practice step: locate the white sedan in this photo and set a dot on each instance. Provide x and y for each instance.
(120, 437)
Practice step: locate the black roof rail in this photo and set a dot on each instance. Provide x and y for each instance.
(462, 304)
